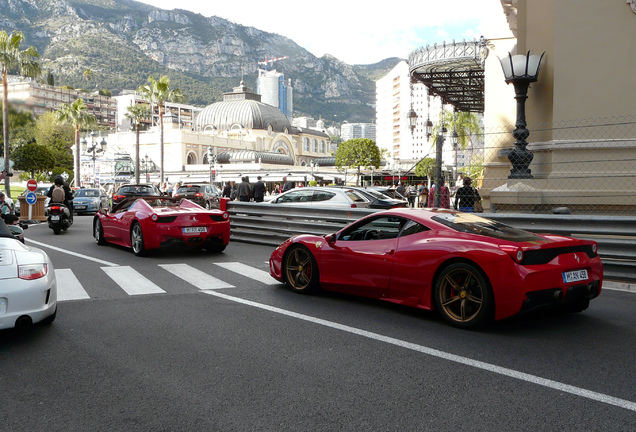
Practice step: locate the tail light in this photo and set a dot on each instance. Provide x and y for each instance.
(118, 197)
(594, 247)
(354, 206)
(515, 252)
(175, 195)
(32, 271)
(54, 208)
(198, 194)
(154, 217)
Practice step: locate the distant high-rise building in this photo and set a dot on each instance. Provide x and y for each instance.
(275, 91)
(357, 130)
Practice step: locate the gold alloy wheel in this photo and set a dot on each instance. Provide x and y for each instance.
(462, 294)
(299, 269)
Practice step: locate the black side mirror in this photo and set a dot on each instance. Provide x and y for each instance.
(331, 238)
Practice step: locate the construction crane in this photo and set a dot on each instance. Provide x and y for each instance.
(268, 62)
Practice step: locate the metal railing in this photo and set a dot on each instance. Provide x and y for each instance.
(269, 224)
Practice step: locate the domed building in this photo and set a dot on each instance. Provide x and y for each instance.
(242, 135)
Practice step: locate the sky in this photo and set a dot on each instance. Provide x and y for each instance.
(358, 32)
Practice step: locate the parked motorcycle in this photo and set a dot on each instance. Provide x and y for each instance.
(59, 218)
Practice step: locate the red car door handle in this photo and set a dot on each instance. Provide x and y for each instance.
(389, 252)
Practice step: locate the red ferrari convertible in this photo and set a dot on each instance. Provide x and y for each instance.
(468, 268)
(143, 223)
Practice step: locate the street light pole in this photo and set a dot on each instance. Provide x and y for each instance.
(93, 150)
(521, 70)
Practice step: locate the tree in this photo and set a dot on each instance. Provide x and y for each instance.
(136, 113)
(466, 124)
(12, 58)
(50, 79)
(33, 158)
(425, 168)
(358, 152)
(77, 116)
(88, 75)
(158, 93)
(59, 139)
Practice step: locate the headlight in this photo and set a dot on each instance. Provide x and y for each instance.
(32, 271)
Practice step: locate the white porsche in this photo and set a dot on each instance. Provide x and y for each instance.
(28, 290)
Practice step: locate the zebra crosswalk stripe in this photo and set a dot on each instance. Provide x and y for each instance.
(199, 279)
(131, 281)
(250, 272)
(68, 287)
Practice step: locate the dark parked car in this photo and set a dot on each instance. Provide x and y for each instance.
(385, 190)
(203, 194)
(379, 200)
(89, 200)
(130, 190)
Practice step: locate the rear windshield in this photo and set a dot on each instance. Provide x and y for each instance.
(139, 190)
(189, 189)
(470, 223)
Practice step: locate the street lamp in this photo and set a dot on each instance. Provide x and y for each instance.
(146, 162)
(521, 70)
(94, 149)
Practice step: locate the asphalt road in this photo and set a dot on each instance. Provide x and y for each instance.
(218, 347)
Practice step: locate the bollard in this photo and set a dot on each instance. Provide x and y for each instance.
(223, 203)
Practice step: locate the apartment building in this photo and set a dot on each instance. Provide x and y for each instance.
(276, 91)
(28, 95)
(183, 114)
(357, 130)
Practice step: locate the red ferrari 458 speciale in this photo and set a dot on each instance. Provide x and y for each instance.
(148, 222)
(468, 268)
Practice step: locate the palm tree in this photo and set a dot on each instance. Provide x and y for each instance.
(465, 124)
(77, 116)
(136, 113)
(12, 58)
(88, 75)
(158, 93)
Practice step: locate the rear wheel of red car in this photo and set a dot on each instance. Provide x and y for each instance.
(137, 240)
(98, 232)
(463, 296)
(301, 270)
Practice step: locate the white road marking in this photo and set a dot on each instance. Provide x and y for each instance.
(90, 258)
(68, 287)
(250, 272)
(199, 279)
(131, 281)
(566, 388)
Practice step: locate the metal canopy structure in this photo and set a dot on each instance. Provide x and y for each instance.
(454, 72)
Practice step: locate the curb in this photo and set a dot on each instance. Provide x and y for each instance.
(619, 286)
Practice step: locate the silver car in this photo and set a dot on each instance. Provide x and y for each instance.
(341, 197)
(89, 201)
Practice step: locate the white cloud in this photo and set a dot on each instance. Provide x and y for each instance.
(358, 33)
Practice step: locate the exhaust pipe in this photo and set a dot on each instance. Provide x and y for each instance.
(557, 296)
(23, 323)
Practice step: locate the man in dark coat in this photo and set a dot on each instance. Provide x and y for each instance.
(244, 190)
(259, 190)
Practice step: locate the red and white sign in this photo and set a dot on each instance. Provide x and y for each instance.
(32, 185)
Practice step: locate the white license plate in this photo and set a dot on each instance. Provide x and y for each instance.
(55, 217)
(575, 276)
(80, 207)
(190, 230)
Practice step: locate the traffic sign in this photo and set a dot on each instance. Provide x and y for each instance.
(32, 185)
(31, 198)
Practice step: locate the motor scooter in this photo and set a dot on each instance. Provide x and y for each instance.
(59, 218)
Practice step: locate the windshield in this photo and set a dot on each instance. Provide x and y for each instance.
(470, 223)
(87, 193)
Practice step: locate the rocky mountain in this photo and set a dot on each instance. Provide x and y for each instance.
(123, 42)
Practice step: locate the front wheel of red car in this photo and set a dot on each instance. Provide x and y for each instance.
(301, 270)
(463, 296)
(137, 240)
(98, 232)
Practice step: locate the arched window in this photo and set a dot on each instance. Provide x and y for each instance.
(305, 144)
(192, 159)
(314, 147)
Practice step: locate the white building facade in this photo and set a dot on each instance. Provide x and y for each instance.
(357, 130)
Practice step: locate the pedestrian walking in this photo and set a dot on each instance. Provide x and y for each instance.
(286, 185)
(244, 190)
(466, 197)
(259, 189)
(444, 195)
(227, 190)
